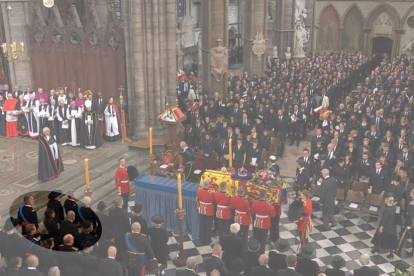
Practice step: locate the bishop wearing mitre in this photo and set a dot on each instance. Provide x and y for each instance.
(90, 128)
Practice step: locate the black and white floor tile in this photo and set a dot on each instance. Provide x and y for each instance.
(350, 239)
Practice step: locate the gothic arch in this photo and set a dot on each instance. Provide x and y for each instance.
(385, 7)
(328, 31)
(352, 33)
(346, 13)
(323, 10)
(405, 16)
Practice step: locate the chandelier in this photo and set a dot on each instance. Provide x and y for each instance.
(12, 53)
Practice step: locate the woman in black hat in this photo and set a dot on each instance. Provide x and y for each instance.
(51, 226)
(251, 256)
(277, 260)
(337, 263)
(159, 239)
(55, 204)
(305, 265)
(386, 235)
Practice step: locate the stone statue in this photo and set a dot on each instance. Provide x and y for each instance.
(219, 60)
(301, 36)
(288, 55)
(275, 53)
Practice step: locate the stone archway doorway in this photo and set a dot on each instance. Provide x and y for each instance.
(382, 45)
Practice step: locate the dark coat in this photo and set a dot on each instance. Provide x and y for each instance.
(262, 271)
(251, 259)
(119, 221)
(185, 272)
(287, 272)
(67, 227)
(277, 261)
(110, 267)
(328, 195)
(334, 272)
(232, 248)
(377, 182)
(143, 222)
(213, 262)
(159, 238)
(70, 264)
(28, 272)
(90, 265)
(366, 271)
(307, 267)
(72, 205)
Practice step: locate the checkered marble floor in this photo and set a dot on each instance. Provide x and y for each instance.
(350, 239)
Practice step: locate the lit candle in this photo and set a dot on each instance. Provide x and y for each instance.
(87, 174)
(78, 90)
(22, 46)
(180, 196)
(150, 139)
(4, 46)
(230, 153)
(65, 89)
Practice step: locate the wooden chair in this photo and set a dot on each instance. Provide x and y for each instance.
(354, 197)
(339, 200)
(263, 159)
(360, 186)
(373, 205)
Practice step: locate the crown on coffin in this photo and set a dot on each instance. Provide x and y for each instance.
(242, 172)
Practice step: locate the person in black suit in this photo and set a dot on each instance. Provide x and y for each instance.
(137, 217)
(245, 124)
(305, 265)
(363, 166)
(54, 203)
(105, 227)
(291, 262)
(16, 92)
(68, 226)
(337, 263)
(377, 179)
(296, 125)
(239, 153)
(120, 222)
(190, 268)
(69, 264)
(407, 157)
(214, 262)
(277, 260)
(262, 269)
(281, 131)
(89, 262)
(71, 204)
(302, 177)
(251, 256)
(365, 270)
(232, 245)
(32, 263)
(328, 196)
(109, 266)
(26, 214)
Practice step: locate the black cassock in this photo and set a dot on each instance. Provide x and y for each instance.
(90, 134)
(2, 120)
(54, 123)
(21, 120)
(50, 163)
(43, 120)
(388, 239)
(63, 133)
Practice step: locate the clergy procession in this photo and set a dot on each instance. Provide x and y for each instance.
(73, 121)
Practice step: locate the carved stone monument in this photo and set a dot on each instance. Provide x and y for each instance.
(288, 54)
(275, 52)
(187, 32)
(301, 36)
(219, 61)
(259, 46)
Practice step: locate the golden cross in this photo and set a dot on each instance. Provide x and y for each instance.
(121, 89)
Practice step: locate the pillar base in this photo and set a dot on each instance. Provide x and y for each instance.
(88, 193)
(180, 260)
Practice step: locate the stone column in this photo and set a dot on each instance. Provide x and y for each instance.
(255, 22)
(150, 50)
(284, 25)
(215, 27)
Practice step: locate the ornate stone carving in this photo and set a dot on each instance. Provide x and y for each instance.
(383, 20)
(259, 45)
(93, 39)
(56, 38)
(187, 32)
(39, 37)
(39, 16)
(76, 17)
(219, 61)
(288, 55)
(74, 39)
(301, 36)
(113, 41)
(58, 17)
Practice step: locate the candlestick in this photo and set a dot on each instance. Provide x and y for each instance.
(180, 196)
(4, 46)
(22, 46)
(150, 139)
(230, 153)
(65, 89)
(87, 174)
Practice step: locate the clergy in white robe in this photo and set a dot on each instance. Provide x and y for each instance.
(112, 121)
(74, 114)
(31, 115)
(41, 111)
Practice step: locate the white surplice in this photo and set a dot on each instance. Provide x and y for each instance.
(111, 122)
(73, 133)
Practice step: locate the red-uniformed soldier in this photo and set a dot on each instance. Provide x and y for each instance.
(205, 203)
(223, 212)
(122, 182)
(305, 221)
(242, 213)
(264, 212)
